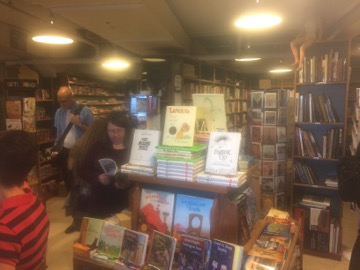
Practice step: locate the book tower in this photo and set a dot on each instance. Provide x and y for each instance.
(268, 143)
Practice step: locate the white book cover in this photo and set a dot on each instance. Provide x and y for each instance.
(144, 147)
(210, 112)
(223, 153)
(179, 126)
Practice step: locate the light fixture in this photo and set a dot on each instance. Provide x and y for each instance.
(280, 70)
(258, 21)
(247, 59)
(154, 60)
(115, 64)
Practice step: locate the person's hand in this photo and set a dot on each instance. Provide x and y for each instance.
(75, 119)
(104, 179)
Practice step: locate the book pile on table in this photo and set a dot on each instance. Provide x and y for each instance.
(180, 163)
(222, 180)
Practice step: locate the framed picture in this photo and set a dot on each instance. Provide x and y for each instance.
(280, 167)
(282, 116)
(256, 99)
(268, 151)
(270, 118)
(268, 168)
(256, 133)
(269, 135)
(267, 184)
(281, 134)
(270, 100)
(256, 150)
(280, 151)
(256, 117)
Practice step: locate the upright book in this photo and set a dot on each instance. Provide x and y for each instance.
(156, 211)
(162, 250)
(179, 126)
(223, 153)
(90, 231)
(110, 242)
(192, 216)
(225, 255)
(133, 248)
(194, 253)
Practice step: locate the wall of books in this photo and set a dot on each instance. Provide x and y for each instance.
(268, 137)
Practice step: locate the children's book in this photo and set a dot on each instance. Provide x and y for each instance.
(211, 113)
(90, 231)
(222, 180)
(109, 166)
(194, 252)
(162, 250)
(133, 249)
(278, 229)
(13, 124)
(256, 262)
(179, 126)
(156, 211)
(192, 216)
(225, 255)
(110, 242)
(223, 153)
(13, 109)
(144, 147)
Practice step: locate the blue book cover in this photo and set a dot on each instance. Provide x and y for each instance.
(192, 216)
(225, 255)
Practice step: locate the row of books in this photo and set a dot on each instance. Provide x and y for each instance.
(315, 108)
(328, 67)
(308, 146)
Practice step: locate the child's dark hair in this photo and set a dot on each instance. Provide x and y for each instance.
(17, 156)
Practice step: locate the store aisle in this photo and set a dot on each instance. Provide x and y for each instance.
(60, 244)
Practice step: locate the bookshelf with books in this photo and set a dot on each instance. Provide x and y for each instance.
(201, 77)
(30, 106)
(319, 140)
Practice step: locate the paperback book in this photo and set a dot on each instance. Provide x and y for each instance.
(162, 251)
(223, 153)
(109, 166)
(133, 249)
(90, 231)
(110, 242)
(225, 255)
(222, 180)
(194, 252)
(179, 126)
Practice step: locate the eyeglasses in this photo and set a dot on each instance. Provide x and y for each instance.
(116, 131)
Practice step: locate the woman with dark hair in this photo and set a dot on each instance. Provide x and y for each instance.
(108, 193)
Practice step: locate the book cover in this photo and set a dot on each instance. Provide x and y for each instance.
(223, 153)
(210, 113)
(255, 262)
(13, 109)
(156, 211)
(193, 252)
(13, 124)
(109, 166)
(90, 231)
(179, 126)
(29, 105)
(29, 123)
(277, 229)
(225, 255)
(243, 233)
(192, 216)
(144, 147)
(110, 241)
(162, 251)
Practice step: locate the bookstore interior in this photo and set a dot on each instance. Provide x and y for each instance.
(239, 131)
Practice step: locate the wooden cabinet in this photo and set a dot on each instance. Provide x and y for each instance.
(31, 107)
(319, 138)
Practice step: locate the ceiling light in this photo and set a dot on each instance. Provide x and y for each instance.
(280, 70)
(115, 64)
(247, 59)
(258, 21)
(52, 39)
(154, 60)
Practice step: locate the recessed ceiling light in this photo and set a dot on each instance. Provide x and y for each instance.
(247, 59)
(115, 64)
(154, 60)
(258, 21)
(280, 70)
(52, 39)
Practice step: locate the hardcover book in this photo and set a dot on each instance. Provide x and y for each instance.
(162, 250)
(156, 211)
(222, 180)
(210, 114)
(110, 242)
(144, 147)
(223, 153)
(133, 249)
(90, 231)
(192, 216)
(225, 255)
(13, 109)
(194, 252)
(179, 126)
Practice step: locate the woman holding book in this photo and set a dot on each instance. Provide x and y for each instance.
(108, 193)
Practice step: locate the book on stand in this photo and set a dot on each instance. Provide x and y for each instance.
(225, 255)
(110, 242)
(194, 252)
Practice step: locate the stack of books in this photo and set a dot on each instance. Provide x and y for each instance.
(180, 163)
(222, 180)
(315, 201)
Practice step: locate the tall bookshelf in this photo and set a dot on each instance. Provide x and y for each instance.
(319, 142)
(201, 77)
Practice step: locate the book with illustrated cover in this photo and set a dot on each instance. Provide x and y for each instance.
(144, 146)
(192, 216)
(194, 252)
(179, 126)
(278, 229)
(29, 123)
(223, 153)
(109, 166)
(29, 105)
(110, 241)
(225, 255)
(156, 211)
(90, 231)
(211, 113)
(133, 249)
(13, 109)
(13, 124)
(256, 262)
(162, 251)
